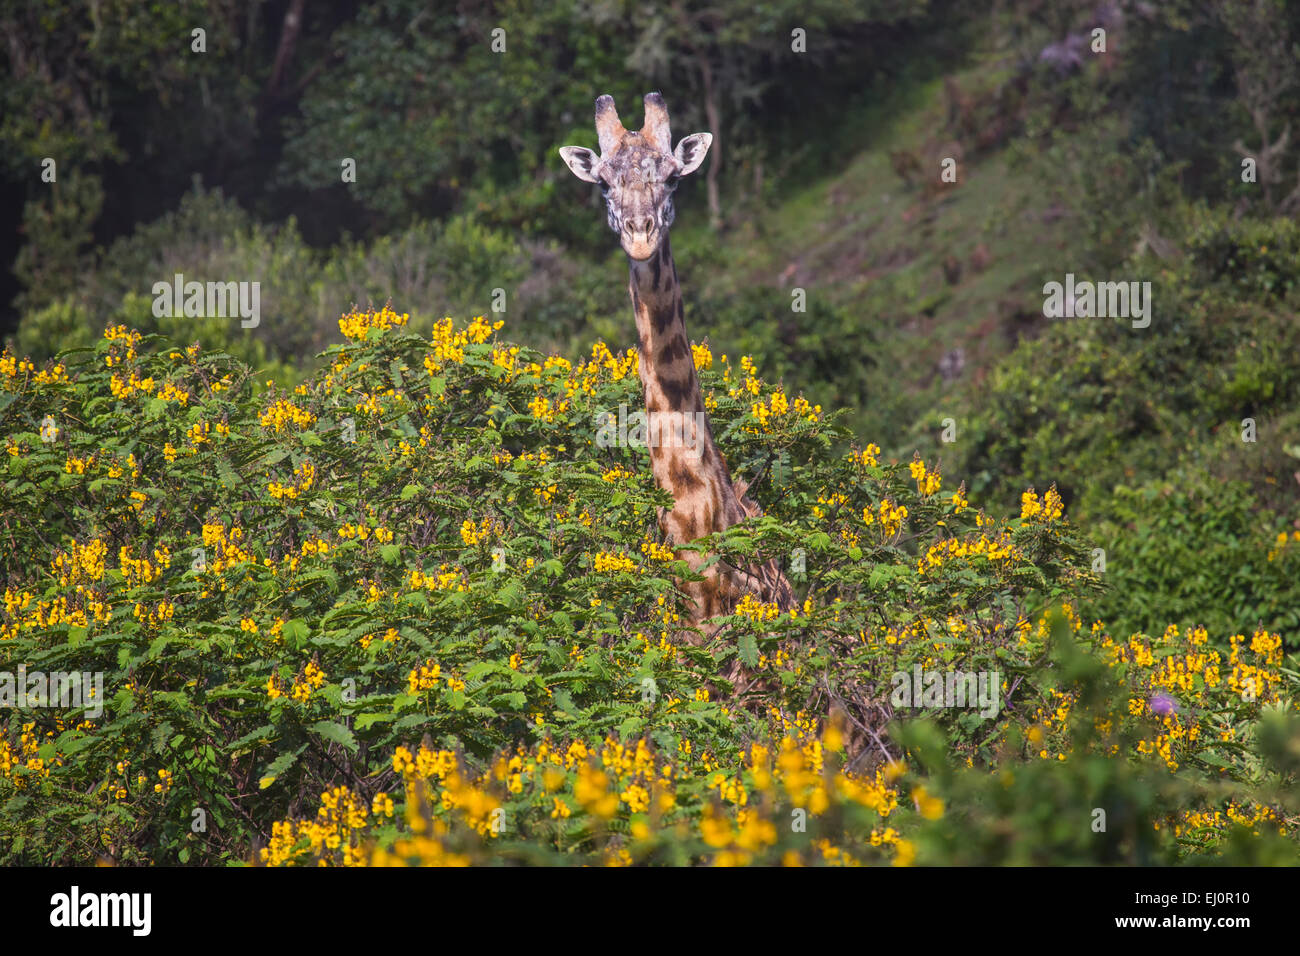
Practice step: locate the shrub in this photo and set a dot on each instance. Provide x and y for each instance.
(353, 620)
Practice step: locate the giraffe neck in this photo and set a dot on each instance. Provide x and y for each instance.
(683, 456)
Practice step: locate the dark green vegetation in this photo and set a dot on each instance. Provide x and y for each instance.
(924, 298)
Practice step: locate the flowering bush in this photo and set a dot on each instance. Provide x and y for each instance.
(418, 610)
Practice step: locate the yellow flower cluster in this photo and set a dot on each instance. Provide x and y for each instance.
(16, 602)
(21, 764)
(1048, 510)
(890, 517)
(130, 338)
(142, 570)
(751, 383)
(447, 578)
(369, 405)
(594, 792)
(803, 409)
(308, 679)
(304, 475)
(835, 500)
(1191, 822)
(507, 359)
(449, 342)
(1281, 542)
(927, 482)
(757, 610)
(543, 409)
(313, 678)
(424, 677)
(361, 532)
(282, 413)
(607, 563)
(440, 770)
(163, 611)
(315, 546)
(81, 563)
(124, 388)
(420, 849)
(11, 367)
(227, 551)
(738, 819)
(656, 551)
(355, 325)
(472, 533)
(583, 378)
(389, 636)
(198, 433)
(55, 374)
(994, 549)
(312, 547)
(618, 366)
(173, 393)
(776, 405)
(341, 814)
(86, 606)
(1256, 681)
(1178, 682)
(164, 781)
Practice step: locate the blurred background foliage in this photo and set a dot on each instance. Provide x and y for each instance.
(924, 300)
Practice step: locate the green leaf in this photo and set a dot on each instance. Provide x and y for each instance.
(366, 721)
(262, 734)
(334, 731)
(278, 766)
(819, 540)
(295, 632)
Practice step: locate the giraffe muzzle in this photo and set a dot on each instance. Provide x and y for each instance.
(640, 239)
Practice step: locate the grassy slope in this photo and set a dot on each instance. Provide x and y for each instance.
(868, 241)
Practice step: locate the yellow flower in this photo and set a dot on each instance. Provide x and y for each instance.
(355, 324)
(904, 853)
(929, 807)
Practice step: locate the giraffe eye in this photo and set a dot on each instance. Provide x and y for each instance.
(604, 188)
(671, 181)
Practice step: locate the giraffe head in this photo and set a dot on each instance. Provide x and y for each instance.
(637, 172)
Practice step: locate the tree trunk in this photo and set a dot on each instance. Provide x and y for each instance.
(288, 44)
(715, 160)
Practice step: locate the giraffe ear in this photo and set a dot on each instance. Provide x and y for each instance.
(582, 161)
(691, 150)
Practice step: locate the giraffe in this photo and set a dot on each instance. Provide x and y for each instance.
(638, 173)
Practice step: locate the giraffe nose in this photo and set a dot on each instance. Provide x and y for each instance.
(644, 226)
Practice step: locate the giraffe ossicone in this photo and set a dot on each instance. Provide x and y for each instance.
(638, 172)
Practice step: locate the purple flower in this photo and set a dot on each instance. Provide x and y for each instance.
(1162, 705)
